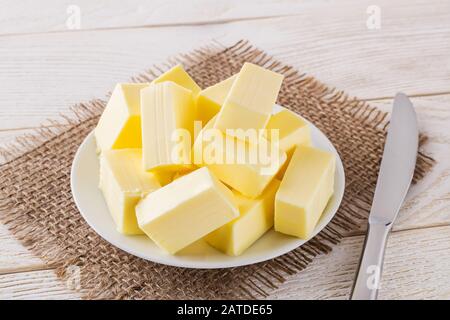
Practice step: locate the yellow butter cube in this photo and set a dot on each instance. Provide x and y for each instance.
(186, 210)
(293, 132)
(255, 219)
(250, 101)
(168, 112)
(178, 75)
(211, 99)
(235, 162)
(123, 183)
(120, 123)
(304, 192)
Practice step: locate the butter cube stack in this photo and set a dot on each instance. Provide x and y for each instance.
(120, 123)
(255, 219)
(177, 185)
(186, 210)
(123, 183)
(304, 192)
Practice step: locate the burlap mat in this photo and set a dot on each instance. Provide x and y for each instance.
(36, 202)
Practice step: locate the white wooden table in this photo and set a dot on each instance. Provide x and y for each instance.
(45, 68)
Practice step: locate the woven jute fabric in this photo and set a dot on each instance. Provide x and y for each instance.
(36, 202)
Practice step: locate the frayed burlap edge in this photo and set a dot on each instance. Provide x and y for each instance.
(257, 281)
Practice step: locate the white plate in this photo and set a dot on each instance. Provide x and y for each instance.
(89, 200)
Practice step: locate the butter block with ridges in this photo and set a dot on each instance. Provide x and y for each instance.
(123, 183)
(255, 219)
(186, 210)
(211, 99)
(178, 75)
(248, 177)
(166, 109)
(120, 123)
(250, 101)
(293, 132)
(304, 192)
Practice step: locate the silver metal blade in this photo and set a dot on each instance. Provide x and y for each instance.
(398, 163)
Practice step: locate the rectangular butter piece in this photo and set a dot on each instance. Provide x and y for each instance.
(304, 192)
(165, 108)
(250, 101)
(186, 210)
(120, 123)
(248, 177)
(123, 183)
(178, 75)
(293, 132)
(255, 219)
(211, 99)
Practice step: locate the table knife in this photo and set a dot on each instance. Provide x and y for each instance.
(394, 178)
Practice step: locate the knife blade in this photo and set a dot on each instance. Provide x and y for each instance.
(394, 178)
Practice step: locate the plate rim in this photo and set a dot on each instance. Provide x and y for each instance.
(203, 264)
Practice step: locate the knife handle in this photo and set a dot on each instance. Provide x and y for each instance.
(369, 272)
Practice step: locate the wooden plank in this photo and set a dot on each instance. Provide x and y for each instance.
(44, 74)
(35, 285)
(55, 15)
(411, 271)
